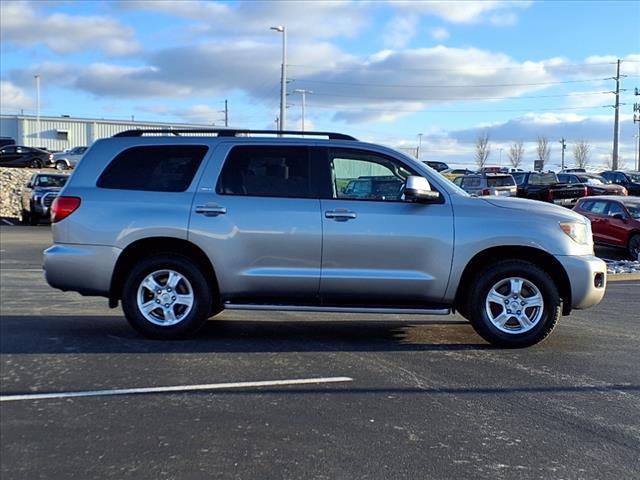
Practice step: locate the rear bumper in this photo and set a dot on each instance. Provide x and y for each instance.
(86, 269)
(588, 278)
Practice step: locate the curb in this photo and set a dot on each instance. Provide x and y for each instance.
(622, 277)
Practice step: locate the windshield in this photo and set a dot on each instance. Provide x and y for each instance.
(591, 180)
(635, 177)
(50, 181)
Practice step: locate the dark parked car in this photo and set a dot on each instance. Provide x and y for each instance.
(39, 194)
(545, 186)
(596, 185)
(629, 180)
(373, 188)
(615, 221)
(19, 156)
(437, 166)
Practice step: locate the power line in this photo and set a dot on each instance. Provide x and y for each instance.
(515, 97)
(463, 69)
(451, 86)
(355, 108)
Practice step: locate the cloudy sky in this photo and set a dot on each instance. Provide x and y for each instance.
(381, 71)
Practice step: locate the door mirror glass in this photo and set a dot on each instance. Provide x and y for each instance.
(417, 189)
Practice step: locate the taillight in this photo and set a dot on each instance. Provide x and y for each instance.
(550, 195)
(486, 191)
(51, 156)
(625, 191)
(62, 207)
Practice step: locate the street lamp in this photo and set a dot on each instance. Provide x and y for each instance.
(37, 77)
(304, 97)
(283, 77)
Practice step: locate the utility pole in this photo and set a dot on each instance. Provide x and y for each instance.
(616, 121)
(636, 119)
(304, 99)
(419, 146)
(283, 77)
(37, 77)
(564, 147)
(226, 113)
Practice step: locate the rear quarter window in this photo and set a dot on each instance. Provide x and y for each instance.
(167, 168)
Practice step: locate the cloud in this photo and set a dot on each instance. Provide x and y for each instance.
(23, 25)
(439, 33)
(13, 98)
(467, 11)
(306, 20)
(399, 31)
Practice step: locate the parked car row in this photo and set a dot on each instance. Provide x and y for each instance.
(19, 156)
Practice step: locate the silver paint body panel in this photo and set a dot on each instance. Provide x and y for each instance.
(393, 253)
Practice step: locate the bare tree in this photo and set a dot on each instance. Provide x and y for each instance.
(543, 150)
(516, 152)
(483, 149)
(581, 152)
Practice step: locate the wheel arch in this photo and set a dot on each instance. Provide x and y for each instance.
(534, 255)
(153, 246)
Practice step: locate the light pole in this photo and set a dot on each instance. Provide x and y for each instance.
(304, 100)
(283, 77)
(419, 146)
(37, 77)
(563, 142)
(500, 157)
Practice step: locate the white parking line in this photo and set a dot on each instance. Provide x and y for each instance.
(7, 221)
(172, 389)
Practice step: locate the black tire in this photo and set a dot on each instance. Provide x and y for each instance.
(25, 217)
(35, 163)
(517, 335)
(200, 290)
(61, 166)
(633, 247)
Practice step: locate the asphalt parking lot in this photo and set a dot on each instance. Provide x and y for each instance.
(413, 397)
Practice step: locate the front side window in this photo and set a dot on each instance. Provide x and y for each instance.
(167, 168)
(361, 175)
(266, 171)
(614, 208)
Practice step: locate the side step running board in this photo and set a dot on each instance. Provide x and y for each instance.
(306, 308)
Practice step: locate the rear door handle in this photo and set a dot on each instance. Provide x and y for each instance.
(210, 210)
(340, 215)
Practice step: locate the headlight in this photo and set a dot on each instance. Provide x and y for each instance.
(580, 232)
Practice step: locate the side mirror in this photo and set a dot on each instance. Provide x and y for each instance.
(417, 189)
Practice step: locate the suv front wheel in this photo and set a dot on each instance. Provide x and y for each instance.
(514, 304)
(166, 297)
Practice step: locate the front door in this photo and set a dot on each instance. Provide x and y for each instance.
(256, 215)
(377, 248)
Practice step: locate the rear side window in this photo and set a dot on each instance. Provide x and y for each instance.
(471, 182)
(168, 168)
(265, 171)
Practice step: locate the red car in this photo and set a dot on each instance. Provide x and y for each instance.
(615, 221)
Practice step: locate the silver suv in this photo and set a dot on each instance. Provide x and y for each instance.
(179, 225)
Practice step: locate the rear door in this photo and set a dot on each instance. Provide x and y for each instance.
(378, 249)
(256, 215)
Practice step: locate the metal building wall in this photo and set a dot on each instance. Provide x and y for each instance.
(61, 133)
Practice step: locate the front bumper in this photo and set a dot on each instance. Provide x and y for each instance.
(588, 278)
(86, 269)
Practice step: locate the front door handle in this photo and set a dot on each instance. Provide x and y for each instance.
(340, 214)
(211, 210)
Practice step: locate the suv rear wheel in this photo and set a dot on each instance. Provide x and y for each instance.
(514, 304)
(166, 297)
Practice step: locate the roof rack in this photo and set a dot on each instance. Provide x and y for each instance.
(229, 132)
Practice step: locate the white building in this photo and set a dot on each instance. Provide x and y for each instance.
(61, 133)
